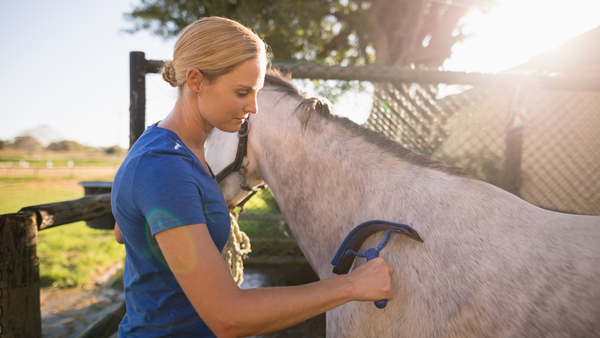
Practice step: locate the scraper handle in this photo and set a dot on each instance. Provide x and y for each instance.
(372, 253)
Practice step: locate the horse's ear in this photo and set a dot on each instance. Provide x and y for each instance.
(323, 107)
(313, 106)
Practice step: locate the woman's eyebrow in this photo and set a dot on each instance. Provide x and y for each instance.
(248, 88)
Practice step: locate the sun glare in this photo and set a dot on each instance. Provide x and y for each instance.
(516, 30)
(505, 37)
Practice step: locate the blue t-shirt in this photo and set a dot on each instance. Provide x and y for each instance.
(162, 185)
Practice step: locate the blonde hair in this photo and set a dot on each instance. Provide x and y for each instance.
(215, 46)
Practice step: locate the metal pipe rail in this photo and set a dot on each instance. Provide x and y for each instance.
(139, 67)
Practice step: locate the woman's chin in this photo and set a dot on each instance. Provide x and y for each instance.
(230, 128)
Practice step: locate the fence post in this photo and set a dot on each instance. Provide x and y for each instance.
(514, 143)
(20, 314)
(137, 95)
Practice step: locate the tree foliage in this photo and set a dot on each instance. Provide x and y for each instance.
(27, 143)
(331, 31)
(114, 150)
(65, 145)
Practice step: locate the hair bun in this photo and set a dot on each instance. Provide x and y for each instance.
(168, 74)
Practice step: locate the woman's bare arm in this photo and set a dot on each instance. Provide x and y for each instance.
(118, 235)
(232, 312)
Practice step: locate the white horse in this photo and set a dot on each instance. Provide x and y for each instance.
(491, 264)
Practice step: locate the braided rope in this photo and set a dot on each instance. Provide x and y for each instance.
(236, 249)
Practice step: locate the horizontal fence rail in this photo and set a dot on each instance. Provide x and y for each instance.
(377, 73)
(86, 208)
(374, 73)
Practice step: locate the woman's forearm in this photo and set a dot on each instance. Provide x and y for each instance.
(232, 312)
(265, 310)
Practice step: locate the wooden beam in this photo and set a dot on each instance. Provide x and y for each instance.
(20, 314)
(83, 209)
(137, 96)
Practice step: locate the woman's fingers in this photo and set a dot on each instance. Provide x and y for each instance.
(373, 281)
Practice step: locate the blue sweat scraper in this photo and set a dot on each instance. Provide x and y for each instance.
(344, 258)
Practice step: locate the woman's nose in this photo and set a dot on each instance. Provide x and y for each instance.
(252, 106)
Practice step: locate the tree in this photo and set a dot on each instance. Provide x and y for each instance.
(28, 143)
(113, 150)
(65, 145)
(384, 32)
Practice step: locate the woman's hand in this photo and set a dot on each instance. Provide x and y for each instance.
(372, 281)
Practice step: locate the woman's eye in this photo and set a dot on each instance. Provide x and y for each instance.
(242, 93)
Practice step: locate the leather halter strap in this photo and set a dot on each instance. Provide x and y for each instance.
(241, 152)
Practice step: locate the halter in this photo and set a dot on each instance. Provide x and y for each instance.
(241, 152)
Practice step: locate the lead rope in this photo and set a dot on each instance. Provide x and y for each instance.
(236, 249)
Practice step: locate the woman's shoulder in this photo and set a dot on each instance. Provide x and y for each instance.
(158, 144)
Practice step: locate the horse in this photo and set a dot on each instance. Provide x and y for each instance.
(491, 264)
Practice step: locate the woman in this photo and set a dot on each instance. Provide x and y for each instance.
(174, 221)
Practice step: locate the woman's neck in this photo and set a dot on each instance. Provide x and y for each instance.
(185, 121)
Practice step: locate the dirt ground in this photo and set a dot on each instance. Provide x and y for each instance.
(67, 313)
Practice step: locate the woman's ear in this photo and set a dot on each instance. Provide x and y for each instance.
(194, 79)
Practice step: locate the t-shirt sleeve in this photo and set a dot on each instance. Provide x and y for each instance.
(166, 191)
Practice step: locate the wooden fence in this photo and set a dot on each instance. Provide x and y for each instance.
(20, 314)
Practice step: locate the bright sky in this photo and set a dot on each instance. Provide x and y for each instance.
(66, 62)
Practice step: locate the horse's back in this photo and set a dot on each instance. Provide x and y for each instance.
(521, 271)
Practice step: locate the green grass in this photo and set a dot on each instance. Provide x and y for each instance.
(69, 254)
(260, 204)
(21, 192)
(11, 157)
(70, 263)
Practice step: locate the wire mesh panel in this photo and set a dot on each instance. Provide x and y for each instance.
(464, 129)
(475, 128)
(561, 150)
(558, 147)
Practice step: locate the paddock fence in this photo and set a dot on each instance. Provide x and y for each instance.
(20, 314)
(532, 134)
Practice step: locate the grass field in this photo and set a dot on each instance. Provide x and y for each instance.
(11, 157)
(69, 254)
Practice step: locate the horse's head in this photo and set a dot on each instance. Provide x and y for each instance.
(221, 149)
(278, 98)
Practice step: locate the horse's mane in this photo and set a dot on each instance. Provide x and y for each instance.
(319, 107)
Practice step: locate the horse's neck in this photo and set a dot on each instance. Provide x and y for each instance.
(326, 182)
